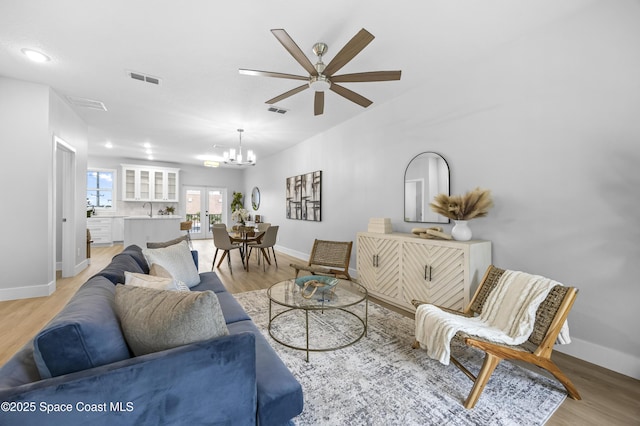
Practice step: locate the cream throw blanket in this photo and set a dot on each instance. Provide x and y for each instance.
(508, 316)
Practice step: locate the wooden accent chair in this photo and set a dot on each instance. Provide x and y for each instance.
(328, 258)
(550, 317)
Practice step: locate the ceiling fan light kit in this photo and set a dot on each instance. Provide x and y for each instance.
(321, 77)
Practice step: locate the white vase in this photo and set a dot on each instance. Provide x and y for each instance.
(461, 230)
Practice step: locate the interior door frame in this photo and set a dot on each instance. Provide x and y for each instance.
(68, 202)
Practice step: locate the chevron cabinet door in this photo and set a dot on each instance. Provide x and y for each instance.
(433, 274)
(378, 266)
(398, 268)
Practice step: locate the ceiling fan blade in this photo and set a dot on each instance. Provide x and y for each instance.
(318, 103)
(367, 76)
(272, 74)
(351, 95)
(294, 50)
(349, 51)
(285, 95)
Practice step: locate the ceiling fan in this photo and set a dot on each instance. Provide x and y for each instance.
(321, 77)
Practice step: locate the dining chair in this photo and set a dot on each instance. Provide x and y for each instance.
(267, 242)
(222, 241)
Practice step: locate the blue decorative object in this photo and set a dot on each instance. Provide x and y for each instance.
(311, 284)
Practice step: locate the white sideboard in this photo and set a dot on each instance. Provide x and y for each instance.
(398, 268)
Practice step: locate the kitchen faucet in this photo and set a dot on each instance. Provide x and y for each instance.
(150, 208)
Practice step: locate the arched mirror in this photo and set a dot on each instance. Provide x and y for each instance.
(426, 176)
(255, 198)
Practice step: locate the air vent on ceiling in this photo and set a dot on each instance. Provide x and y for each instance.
(143, 77)
(87, 103)
(276, 109)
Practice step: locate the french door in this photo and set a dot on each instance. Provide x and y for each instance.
(204, 206)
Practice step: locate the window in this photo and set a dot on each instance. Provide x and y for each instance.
(101, 188)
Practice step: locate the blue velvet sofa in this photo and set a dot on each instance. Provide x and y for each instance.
(236, 379)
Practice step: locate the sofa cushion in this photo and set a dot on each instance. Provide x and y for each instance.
(85, 334)
(279, 393)
(176, 259)
(120, 263)
(154, 320)
(209, 281)
(164, 244)
(136, 253)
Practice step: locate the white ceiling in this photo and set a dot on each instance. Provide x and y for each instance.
(197, 46)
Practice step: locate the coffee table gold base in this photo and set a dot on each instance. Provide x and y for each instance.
(306, 320)
(347, 294)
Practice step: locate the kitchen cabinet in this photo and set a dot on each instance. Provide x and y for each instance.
(101, 230)
(398, 268)
(117, 228)
(147, 183)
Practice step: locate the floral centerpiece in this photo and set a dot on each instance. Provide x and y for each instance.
(240, 215)
(461, 208)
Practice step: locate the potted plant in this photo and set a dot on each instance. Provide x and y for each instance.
(237, 202)
(461, 208)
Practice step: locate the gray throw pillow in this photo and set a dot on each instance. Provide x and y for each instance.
(154, 320)
(166, 243)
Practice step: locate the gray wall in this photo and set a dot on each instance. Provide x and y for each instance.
(30, 116)
(550, 124)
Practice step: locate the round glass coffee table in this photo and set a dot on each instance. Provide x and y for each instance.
(325, 322)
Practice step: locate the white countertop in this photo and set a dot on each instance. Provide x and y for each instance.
(159, 217)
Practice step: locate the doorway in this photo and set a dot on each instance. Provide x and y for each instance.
(204, 206)
(64, 218)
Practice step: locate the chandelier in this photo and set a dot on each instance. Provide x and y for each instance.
(236, 158)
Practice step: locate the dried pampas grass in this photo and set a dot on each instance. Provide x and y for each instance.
(473, 204)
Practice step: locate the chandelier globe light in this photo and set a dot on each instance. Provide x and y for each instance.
(236, 157)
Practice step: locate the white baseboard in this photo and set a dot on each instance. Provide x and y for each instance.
(611, 359)
(81, 266)
(40, 290)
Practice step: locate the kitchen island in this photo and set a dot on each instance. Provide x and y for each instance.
(139, 230)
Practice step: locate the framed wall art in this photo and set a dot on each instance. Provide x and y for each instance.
(303, 196)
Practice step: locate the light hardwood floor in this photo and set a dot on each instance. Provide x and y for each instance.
(609, 398)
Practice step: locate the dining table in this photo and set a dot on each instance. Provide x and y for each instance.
(245, 237)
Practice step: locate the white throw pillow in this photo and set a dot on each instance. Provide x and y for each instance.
(149, 281)
(159, 271)
(177, 260)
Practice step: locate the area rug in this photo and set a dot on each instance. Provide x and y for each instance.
(381, 380)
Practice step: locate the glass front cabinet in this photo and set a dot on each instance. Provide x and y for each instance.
(146, 183)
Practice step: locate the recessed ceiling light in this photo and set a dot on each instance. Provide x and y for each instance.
(108, 145)
(150, 157)
(210, 163)
(147, 145)
(35, 56)
(148, 151)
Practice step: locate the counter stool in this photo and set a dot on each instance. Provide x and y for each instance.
(186, 226)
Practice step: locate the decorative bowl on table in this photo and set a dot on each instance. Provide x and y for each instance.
(312, 284)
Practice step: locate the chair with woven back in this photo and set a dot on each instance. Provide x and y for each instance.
(328, 258)
(549, 319)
